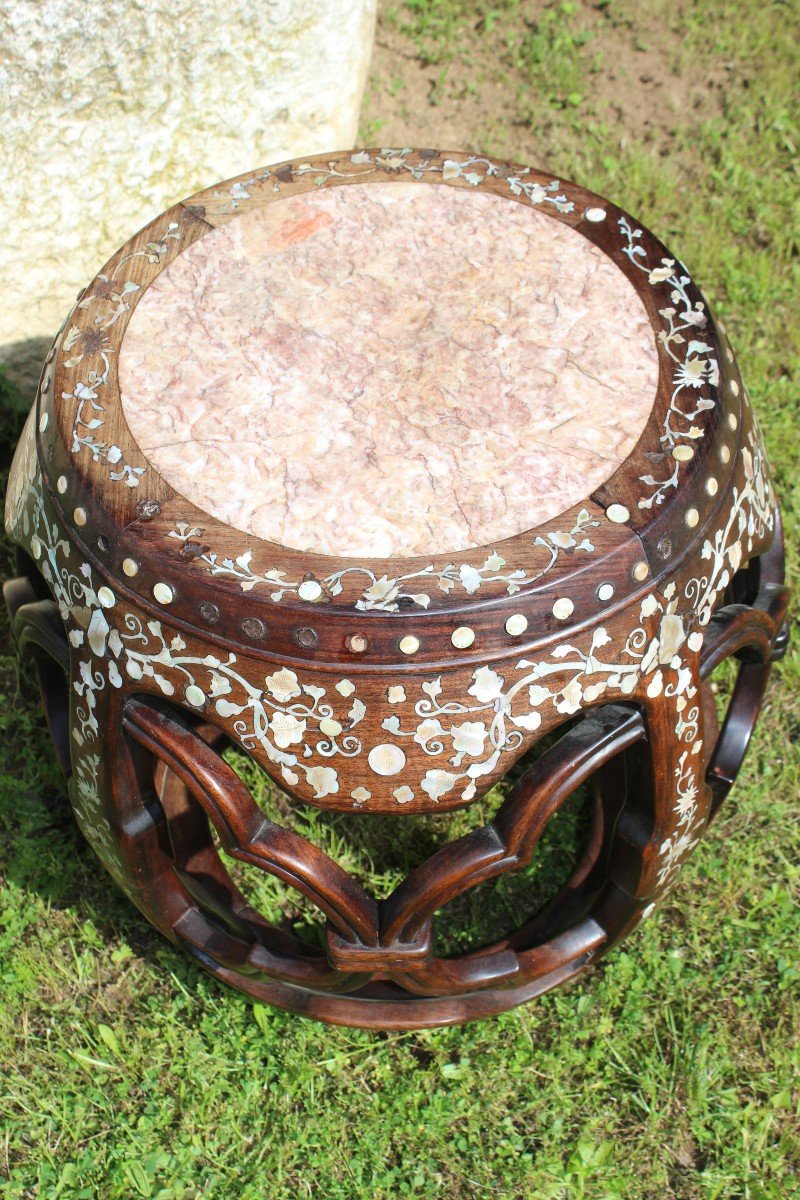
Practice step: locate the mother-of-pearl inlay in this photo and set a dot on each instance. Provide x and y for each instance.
(388, 369)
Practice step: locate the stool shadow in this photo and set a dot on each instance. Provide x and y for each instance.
(42, 851)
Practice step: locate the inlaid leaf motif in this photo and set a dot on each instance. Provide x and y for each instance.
(438, 783)
(433, 687)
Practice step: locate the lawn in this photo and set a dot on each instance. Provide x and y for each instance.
(669, 1070)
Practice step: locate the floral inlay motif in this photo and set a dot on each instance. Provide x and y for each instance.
(473, 170)
(91, 348)
(694, 363)
(385, 593)
(675, 849)
(752, 512)
(570, 679)
(92, 821)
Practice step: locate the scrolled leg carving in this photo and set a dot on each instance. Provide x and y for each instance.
(380, 969)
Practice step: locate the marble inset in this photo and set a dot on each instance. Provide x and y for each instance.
(388, 369)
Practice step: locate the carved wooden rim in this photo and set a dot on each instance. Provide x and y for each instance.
(144, 517)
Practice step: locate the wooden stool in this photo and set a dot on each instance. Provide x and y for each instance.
(384, 466)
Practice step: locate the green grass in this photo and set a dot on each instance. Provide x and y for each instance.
(670, 1070)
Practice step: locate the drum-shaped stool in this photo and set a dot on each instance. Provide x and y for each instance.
(384, 466)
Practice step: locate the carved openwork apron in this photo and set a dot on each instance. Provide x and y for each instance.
(384, 467)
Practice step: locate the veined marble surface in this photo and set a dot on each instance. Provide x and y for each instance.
(388, 369)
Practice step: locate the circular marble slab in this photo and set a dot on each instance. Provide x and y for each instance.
(388, 369)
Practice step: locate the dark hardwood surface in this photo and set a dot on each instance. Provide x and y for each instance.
(142, 693)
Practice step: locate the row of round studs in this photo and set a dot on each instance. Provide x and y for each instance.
(685, 453)
(619, 514)
(461, 638)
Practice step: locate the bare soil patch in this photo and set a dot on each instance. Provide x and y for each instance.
(524, 83)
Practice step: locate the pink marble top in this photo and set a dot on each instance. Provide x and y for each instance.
(388, 369)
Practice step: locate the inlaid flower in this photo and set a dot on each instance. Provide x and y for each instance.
(86, 343)
(471, 578)
(438, 783)
(403, 795)
(663, 273)
(691, 373)
(286, 729)
(427, 730)
(382, 589)
(388, 164)
(468, 738)
(672, 853)
(569, 698)
(283, 685)
(103, 288)
(396, 694)
(671, 636)
(487, 685)
(564, 541)
(455, 170)
(695, 316)
(82, 392)
(361, 795)
(324, 781)
(220, 686)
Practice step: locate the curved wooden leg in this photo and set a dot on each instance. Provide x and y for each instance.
(757, 635)
(39, 634)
